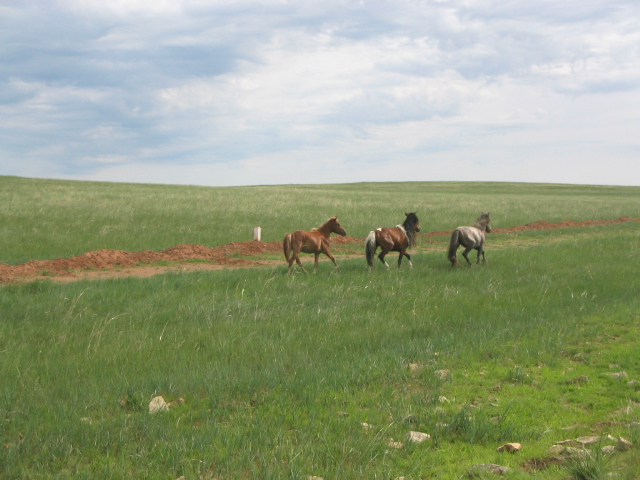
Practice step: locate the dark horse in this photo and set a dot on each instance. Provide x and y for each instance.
(396, 239)
(470, 238)
(316, 241)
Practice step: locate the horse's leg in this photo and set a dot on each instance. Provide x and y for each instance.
(326, 251)
(383, 253)
(385, 244)
(465, 254)
(300, 263)
(408, 259)
(294, 248)
(290, 262)
(315, 262)
(403, 253)
(288, 252)
(296, 258)
(481, 252)
(453, 258)
(454, 244)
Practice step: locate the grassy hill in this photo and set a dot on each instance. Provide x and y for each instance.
(44, 219)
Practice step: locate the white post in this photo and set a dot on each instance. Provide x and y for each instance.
(257, 234)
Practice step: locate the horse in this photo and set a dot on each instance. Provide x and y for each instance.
(470, 238)
(396, 239)
(316, 241)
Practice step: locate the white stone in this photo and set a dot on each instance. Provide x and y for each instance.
(609, 449)
(622, 374)
(394, 444)
(587, 440)
(556, 450)
(157, 404)
(418, 437)
(623, 444)
(510, 447)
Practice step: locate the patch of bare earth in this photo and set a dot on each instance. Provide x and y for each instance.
(119, 263)
(538, 464)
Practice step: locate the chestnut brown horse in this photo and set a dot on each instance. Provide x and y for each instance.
(470, 238)
(396, 239)
(316, 241)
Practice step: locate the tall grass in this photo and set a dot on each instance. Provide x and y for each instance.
(279, 372)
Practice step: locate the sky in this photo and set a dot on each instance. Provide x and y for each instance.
(267, 92)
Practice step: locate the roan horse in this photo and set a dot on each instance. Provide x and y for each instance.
(470, 238)
(316, 241)
(396, 239)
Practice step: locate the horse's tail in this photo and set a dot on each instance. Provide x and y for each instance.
(370, 247)
(286, 246)
(454, 243)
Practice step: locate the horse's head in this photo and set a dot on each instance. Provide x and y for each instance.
(336, 227)
(485, 220)
(412, 219)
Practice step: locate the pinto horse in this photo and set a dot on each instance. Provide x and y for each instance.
(316, 241)
(470, 238)
(396, 239)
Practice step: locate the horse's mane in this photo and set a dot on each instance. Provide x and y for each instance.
(331, 220)
(409, 230)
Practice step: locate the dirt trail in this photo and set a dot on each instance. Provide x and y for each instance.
(118, 263)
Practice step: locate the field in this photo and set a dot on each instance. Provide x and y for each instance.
(273, 376)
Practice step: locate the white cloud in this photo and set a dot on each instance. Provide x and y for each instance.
(231, 92)
(121, 8)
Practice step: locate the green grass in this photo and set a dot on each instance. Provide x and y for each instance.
(279, 372)
(45, 219)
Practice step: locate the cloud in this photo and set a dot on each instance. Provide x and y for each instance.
(301, 92)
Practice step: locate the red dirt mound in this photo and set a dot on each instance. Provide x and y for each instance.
(544, 226)
(223, 255)
(103, 259)
(564, 224)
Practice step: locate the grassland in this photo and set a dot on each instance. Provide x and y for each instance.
(279, 373)
(45, 219)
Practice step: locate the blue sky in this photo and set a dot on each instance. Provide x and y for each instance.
(280, 92)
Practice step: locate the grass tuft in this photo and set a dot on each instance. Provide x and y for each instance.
(589, 464)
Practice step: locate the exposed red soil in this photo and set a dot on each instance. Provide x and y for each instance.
(115, 263)
(550, 226)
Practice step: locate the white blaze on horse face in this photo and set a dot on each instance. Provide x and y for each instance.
(379, 229)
